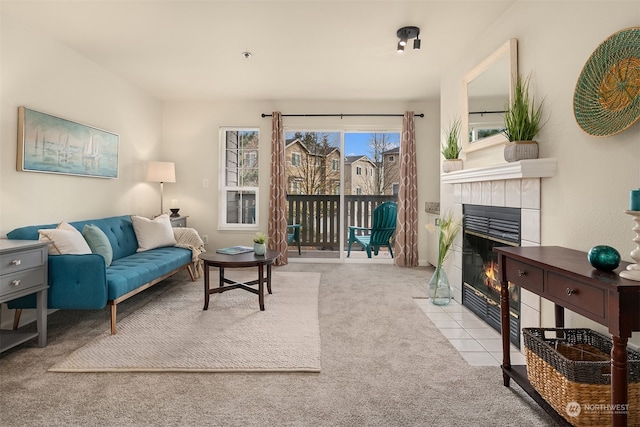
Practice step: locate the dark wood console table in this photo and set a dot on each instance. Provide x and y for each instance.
(565, 277)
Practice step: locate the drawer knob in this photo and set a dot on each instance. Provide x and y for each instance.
(570, 291)
(522, 273)
(16, 262)
(15, 282)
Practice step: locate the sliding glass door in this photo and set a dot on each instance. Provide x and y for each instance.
(335, 179)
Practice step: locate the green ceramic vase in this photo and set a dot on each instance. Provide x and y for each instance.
(604, 257)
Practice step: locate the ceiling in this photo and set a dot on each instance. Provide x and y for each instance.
(301, 50)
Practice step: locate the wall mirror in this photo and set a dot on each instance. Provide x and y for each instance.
(486, 90)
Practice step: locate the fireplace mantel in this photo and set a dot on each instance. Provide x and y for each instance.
(535, 168)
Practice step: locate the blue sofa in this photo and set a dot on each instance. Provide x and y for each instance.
(85, 282)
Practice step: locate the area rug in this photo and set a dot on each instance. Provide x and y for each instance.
(172, 333)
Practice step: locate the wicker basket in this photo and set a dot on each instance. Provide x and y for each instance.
(573, 374)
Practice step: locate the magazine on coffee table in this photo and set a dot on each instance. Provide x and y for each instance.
(234, 250)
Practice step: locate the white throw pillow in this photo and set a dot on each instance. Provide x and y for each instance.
(65, 240)
(153, 233)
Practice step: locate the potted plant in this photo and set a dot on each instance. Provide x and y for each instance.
(451, 148)
(260, 243)
(522, 122)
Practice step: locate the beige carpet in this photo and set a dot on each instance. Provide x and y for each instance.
(173, 333)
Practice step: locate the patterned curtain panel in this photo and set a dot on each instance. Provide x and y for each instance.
(278, 192)
(406, 241)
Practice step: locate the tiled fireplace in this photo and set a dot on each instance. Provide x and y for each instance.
(510, 185)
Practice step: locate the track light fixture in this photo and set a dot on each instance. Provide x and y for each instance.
(406, 33)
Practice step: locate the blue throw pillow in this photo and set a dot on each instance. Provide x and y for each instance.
(98, 242)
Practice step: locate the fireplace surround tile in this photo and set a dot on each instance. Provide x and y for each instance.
(497, 193)
(476, 193)
(486, 193)
(531, 193)
(530, 299)
(530, 220)
(513, 193)
(457, 193)
(466, 193)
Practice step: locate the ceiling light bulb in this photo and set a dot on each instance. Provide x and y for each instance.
(403, 41)
(400, 48)
(416, 44)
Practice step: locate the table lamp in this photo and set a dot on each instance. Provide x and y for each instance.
(161, 172)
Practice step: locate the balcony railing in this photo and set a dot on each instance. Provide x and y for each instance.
(319, 217)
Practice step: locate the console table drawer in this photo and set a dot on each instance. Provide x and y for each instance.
(20, 281)
(19, 261)
(524, 275)
(581, 296)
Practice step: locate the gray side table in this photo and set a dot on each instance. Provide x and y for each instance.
(23, 271)
(179, 221)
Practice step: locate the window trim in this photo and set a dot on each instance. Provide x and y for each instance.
(224, 190)
(296, 155)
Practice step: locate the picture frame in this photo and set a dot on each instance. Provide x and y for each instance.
(50, 144)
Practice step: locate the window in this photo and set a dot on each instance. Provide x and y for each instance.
(335, 165)
(391, 159)
(358, 170)
(295, 187)
(395, 188)
(358, 191)
(239, 181)
(295, 159)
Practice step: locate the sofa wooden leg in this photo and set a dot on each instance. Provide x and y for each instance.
(16, 318)
(191, 273)
(113, 318)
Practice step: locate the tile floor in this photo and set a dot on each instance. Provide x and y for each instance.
(477, 342)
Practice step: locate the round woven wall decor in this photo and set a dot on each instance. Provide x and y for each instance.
(607, 96)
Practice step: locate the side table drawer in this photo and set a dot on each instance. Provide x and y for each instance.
(179, 222)
(581, 296)
(20, 281)
(525, 275)
(19, 261)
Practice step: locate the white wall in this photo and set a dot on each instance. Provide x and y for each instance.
(582, 206)
(190, 138)
(44, 75)
(40, 73)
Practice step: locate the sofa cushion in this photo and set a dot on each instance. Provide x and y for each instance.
(98, 242)
(129, 273)
(153, 233)
(64, 240)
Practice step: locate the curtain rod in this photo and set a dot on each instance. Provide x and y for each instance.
(486, 112)
(343, 115)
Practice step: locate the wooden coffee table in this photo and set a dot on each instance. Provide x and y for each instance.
(249, 259)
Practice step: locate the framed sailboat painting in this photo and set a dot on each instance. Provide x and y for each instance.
(54, 145)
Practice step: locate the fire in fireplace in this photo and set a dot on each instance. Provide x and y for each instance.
(484, 228)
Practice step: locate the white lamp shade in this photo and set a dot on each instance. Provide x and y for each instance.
(161, 172)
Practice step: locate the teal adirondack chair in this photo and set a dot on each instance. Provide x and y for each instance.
(380, 234)
(293, 235)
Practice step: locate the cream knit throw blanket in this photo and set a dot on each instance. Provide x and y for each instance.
(189, 238)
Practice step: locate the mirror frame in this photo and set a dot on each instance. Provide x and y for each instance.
(509, 49)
